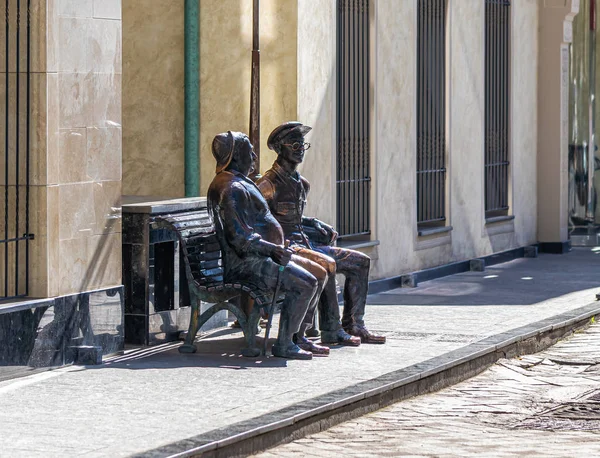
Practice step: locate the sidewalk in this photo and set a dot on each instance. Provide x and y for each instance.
(157, 402)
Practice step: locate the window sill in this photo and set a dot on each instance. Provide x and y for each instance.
(358, 244)
(433, 231)
(499, 219)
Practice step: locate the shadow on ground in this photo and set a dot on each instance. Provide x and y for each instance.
(523, 281)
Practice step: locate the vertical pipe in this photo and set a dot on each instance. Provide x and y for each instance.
(6, 134)
(27, 146)
(192, 98)
(17, 97)
(255, 87)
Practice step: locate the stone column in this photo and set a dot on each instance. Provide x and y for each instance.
(75, 142)
(556, 17)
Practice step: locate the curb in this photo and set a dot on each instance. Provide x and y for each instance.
(322, 412)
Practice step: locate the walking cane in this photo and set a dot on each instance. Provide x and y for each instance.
(273, 302)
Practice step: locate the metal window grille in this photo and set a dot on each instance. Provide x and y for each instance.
(14, 170)
(431, 113)
(497, 94)
(353, 179)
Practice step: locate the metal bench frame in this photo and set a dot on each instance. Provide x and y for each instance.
(204, 271)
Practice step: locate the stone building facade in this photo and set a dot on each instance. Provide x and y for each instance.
(106, 119)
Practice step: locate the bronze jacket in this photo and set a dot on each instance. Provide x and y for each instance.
(286, 195)
(242, 218)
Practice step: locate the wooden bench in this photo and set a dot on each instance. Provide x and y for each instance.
(204, 272)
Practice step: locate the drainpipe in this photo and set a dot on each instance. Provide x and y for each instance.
(192, 98)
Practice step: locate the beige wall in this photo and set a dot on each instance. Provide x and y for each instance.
(225, 60)
(153, 97)
(153, 86)
(76, 146)
(553, 108)
(316, 101)
(394, 146)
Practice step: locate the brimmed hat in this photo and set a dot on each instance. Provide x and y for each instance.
(222, 149)
(285, 129)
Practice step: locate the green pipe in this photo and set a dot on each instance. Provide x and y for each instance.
(192, 98)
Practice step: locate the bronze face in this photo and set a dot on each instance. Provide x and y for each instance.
(292, 148)
(245, 157)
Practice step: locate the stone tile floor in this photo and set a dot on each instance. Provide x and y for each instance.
(547, 404)
(152, 397)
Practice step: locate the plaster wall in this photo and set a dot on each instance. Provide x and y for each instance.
(153, 85)
(394, 144)
(225, 65)
(153, 98)
(555, 34)
(316, 102)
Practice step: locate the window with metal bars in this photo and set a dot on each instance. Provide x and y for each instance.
(353, 179)
(497, 107)
(15, 140)
(431, 113)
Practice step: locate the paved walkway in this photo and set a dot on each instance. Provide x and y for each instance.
(547, 404)
(150, 398)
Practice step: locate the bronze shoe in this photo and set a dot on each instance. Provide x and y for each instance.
(291, 352)
(312, 332)
(309, 345)
(364, 334)
(339, 337)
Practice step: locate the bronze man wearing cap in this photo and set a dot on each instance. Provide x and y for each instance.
(286, 190)
(251, 241)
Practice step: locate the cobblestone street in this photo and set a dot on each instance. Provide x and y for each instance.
(546, 404)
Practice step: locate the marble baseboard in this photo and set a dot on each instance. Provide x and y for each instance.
(44, 333)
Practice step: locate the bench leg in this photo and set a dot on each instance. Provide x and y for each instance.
(251, 350)
(188, 346)
(249, 325)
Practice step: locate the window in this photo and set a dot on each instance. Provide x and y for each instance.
(15, 109)
(353, 179)
(497, 107)
(431, 113)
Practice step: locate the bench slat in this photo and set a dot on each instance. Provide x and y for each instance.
(211, 272)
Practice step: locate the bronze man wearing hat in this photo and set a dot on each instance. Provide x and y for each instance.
(251, 241)
(286, 190)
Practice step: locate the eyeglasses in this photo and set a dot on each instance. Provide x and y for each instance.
(297, 145)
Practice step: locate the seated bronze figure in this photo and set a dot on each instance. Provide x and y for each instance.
(286, 191)
(252, 243)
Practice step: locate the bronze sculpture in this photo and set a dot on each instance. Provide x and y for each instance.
(251, 241)
(286, 191)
